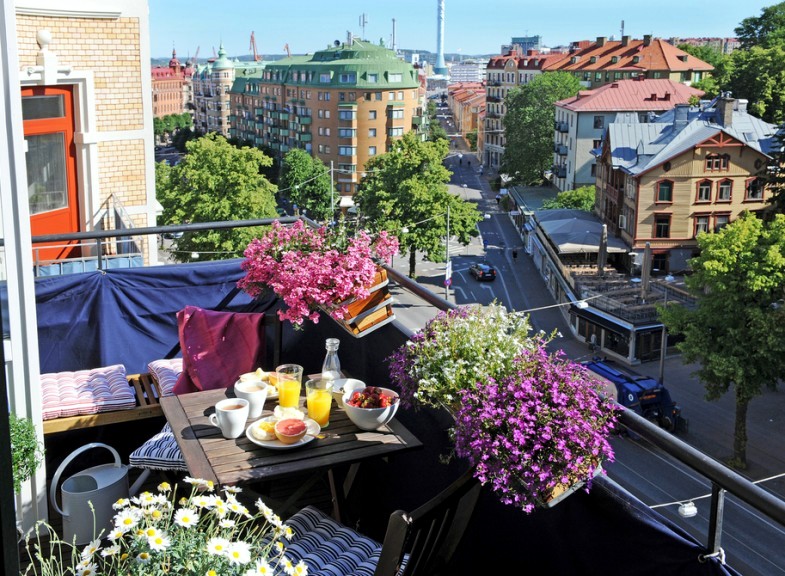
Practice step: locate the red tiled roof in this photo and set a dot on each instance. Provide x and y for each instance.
(637, 55)
(644, 94)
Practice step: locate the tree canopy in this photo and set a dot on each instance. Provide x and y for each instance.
(764, 30)
(215, 182)
(405, 192)
(528, 125)
(580, 199)
(306, 181)
(737, 329)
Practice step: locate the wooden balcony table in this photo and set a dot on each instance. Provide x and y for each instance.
(338, 451)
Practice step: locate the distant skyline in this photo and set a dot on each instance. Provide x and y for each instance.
(471, 28)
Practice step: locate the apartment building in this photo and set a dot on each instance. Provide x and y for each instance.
(466, 102)
(472, 70)
(502, 74)
(693, 170)
(604, 61)
(211, 85)
(723, 45)
(344, 105)
(580, 122)
(171, 88)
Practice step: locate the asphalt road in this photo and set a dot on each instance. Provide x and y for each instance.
(754, 545)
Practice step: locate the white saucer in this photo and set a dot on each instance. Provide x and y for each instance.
(312, 430)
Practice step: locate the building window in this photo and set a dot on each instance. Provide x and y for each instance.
(664, 191)
(391, 96)
(704, 191)
(348, 168)
(371, 132)
(324, 78)
(598, 76)
(596, 144)
(396, 114)
(396, 77)
(371, 150)
(659, 262)
(594, 170)
(347, 78)
(720, 221)
(753, 189)
(662, 225)
(352, 96)
(725, 190)
(717, 163)
(346, 150)
(373, 78)
(599, 122)
(371, 114)
(396, 131)
(378, 96)
(400, 95)
(346, 132)
(341, 96)
(701, 224)
(346, 115)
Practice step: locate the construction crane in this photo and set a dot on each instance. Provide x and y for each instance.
(195, 60)
(256, 57)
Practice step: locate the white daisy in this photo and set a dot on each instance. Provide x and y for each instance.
(239, 553)
(126, 519)
(217, 546)
(91, 549)
(88, 569)
(301, 569)
(143, 557)
(121, 503)
(159, 542)
(186, 517)
(227, 523)
(164, 487)
(111, 550)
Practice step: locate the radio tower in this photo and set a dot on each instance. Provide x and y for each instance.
(441, 67)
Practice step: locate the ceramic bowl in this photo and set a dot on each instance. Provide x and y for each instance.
(342, 385)
(370, 418)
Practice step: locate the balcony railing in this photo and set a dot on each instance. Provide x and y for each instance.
(608, 513)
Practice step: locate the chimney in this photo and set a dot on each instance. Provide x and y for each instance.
(601, 40)
(646, 39)
(625, 40)
(725, 111)
(741, 105)
(614, 85)
(680, 116)
(653, 97)
(667, 97)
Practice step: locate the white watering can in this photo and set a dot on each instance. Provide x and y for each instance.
(100, 485)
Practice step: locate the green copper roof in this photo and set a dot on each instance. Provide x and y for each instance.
(361, 65)
(223, 63)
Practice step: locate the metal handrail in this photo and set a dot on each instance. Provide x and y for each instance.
(721, 477)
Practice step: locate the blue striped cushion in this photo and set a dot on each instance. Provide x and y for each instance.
(160, 452)
(329, 548)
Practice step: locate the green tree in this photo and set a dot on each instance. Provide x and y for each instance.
(472, 138)
(774, 175)
(215, 182)
(528, 124)
(306, 181)
(764, 30)
(737, 329)
(182, 137)
(406, 189)
(580, 199)
(758, 75)
(158, 126)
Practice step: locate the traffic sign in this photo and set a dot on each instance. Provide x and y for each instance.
(448, 282)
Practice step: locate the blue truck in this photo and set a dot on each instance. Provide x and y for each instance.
(643, 394)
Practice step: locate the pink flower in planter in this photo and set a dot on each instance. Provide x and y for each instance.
(310, 268)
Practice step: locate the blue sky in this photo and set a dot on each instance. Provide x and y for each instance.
(471, 27)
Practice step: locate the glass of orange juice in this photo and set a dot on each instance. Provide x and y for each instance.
(319, 399)
(289, 379)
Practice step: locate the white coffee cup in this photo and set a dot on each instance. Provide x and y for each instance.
(230, 416)
(255, 391)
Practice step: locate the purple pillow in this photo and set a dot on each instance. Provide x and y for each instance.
(217, 347)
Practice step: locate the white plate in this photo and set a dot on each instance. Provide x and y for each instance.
(312, 430)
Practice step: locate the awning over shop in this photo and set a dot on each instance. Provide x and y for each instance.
(575, 231)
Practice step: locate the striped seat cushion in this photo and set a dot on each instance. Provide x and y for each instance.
(165, 373)
(328, 547)
(160, 452)
(86, 392)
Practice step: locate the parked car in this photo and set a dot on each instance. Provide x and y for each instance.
(483, 272)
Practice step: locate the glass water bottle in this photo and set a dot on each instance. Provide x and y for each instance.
(331, 369)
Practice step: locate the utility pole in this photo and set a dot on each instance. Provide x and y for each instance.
(332, 192)
(448, 267)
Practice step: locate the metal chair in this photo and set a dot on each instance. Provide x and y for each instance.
(421, 542)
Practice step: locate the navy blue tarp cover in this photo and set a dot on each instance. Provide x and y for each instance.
(127, 316)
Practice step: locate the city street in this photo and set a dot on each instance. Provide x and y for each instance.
(644, 470)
